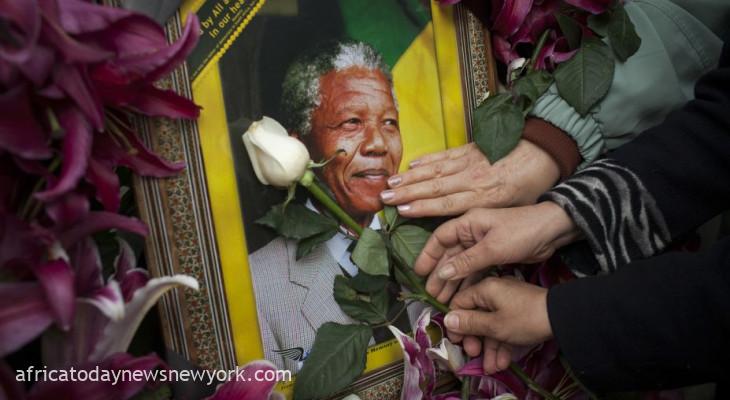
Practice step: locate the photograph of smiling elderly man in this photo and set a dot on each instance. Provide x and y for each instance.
(339, 101)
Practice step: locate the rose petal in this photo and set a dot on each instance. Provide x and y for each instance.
(24, 16)
(23, 316)
(247, 389)
(97, 221)
(118, 334)
(57, 280)
(20, 132)
(76, 151)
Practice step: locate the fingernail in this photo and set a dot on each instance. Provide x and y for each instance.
(452, 321)
(414, 163)
(387, 195)
(394, 180)
(447, 272)
(404, 207)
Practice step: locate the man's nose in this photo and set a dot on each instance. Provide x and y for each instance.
(374, 143)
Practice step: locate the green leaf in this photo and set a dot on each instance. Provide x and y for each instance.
(585, 79)
(498, 124)
(599, 23)
(532, 85)
(371, 254)
(570, 29)
(622, 34)
(371, 308)
(337, 359)
(306, 245)
(408, 241)
(364, 282)
(390, 214)
(297, 221)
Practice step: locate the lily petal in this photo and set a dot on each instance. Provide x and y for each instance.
(68, 209)
(448, 355)
(244, 389)
(146, 163)
(129, 276)
(154, 102)
(74, 81)
(71, 49)
(411, 367)
(96, 221)
(77, 16)
(57, 280)
(10, 388)
(85, 259)
(20, 132)
(510, 18)
(23, 316)
(106, 182)
(118, 334)
(24, 16)
(108, 300)
(76, 151)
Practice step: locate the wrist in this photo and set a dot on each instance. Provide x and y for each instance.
(559, 228)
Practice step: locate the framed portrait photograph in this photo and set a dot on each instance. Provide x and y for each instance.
(372, 85)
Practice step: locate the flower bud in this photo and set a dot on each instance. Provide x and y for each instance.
(278, 159)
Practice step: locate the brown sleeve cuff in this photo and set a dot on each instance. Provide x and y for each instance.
(561, 147)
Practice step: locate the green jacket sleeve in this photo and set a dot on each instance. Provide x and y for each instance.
(676, 49)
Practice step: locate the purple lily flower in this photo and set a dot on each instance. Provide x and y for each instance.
(23, 316)
(419, 371)
(592, 6)
(236, 389)
(510, 17)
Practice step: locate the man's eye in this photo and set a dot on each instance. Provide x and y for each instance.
(351, 123)
(391, 122)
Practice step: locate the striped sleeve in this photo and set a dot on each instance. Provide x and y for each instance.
(615, 212)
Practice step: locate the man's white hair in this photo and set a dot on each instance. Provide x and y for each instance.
(300, 90)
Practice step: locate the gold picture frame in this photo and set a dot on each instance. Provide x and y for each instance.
(195, 218)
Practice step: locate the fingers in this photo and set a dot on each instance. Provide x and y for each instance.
(450, 204)
(433, 187)
(472, 322)
(497, 356)
(472, 345)
(443, 168)
(441, 240)
(476, 258)
(456, 152)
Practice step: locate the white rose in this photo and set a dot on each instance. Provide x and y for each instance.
(278, 159)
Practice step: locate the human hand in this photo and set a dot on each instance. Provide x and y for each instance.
(502, 311)
(482, 238)
(453, 181)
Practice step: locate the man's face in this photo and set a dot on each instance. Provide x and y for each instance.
(357, 114)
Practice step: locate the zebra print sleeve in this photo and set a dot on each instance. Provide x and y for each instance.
(617, 215)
